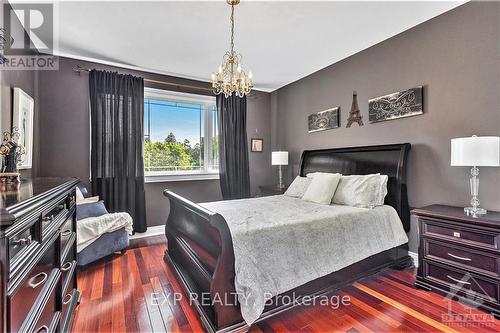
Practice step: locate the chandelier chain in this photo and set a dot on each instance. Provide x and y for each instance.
(232, 29)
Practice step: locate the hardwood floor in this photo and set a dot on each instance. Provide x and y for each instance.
(135, 293)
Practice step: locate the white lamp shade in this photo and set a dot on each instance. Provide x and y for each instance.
(475, 151)
(279, 158)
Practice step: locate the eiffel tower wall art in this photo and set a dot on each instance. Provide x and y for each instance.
(397, 105)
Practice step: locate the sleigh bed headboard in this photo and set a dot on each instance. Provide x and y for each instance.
(388, 160)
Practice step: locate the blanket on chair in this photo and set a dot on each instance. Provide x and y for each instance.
(90, 229)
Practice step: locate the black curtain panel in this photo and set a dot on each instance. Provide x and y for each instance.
(233, 147)
(117, 165)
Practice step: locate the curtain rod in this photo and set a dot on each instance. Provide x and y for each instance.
(79, 69)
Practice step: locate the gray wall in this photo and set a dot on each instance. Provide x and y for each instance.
(456, 57)
(27, 81)
(65, 140)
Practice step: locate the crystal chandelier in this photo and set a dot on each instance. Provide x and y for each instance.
(230, 77)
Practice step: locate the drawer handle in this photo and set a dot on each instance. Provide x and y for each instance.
(66, 266)
(66, 233)
(456, 280)
(460, 258)
(48, 218)
(42, 329)
(42, 276)
(61, 206)
(67, 299)
(22, 241)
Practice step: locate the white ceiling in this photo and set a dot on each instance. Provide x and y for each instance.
(281, 41)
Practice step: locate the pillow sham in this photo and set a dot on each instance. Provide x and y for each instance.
(298, 187)
(322, 188)
(364, 191)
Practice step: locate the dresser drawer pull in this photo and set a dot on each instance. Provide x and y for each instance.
(66, 266)
(22, 241)
(40, 276)
(459, 258)
(456, 280)
(61, 206)
(48, 218)
(42, 329)
(67, 299)
(66, 233)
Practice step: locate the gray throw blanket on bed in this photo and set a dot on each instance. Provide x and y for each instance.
(281, 243)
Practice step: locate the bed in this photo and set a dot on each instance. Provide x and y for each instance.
(207, 259)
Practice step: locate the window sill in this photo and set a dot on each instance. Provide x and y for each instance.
(180, 177)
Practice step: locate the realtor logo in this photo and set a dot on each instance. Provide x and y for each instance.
(462, 290)
(29, 28)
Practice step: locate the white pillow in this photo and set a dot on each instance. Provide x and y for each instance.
(298, 187)
(322, 188)
(312, 174)
(79, 195)
(365, 191)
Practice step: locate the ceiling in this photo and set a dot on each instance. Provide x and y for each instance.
(281, 41)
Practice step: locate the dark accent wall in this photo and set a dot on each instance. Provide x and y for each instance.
(65, 140)
(456, 57)
(27, 81)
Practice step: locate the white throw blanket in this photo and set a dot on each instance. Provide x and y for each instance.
(91, 228)
(281, 243)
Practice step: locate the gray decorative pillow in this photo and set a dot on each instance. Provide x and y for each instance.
(95, 209)
(366, 191)
(298, 187)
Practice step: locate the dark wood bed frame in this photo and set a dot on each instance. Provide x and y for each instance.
(200, 247)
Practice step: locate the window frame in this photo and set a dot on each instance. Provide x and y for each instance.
(186, 175)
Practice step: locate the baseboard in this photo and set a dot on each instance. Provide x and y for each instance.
(151, 231)
(414, 256)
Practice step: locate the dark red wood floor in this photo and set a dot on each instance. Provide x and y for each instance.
(133, 293)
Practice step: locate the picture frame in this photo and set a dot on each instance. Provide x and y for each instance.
(257, 145)
(401, 104)
(324, 120)
(22, 122)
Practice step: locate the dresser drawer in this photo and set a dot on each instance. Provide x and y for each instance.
(23, 297)
(53, 214)
(45, 323)
(20, 245)
(478, 261)
(66, 233)
(462, 280)
(460, 235)
(69, 301)
(68, 276)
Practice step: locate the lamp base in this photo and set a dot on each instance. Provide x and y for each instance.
(474, 211)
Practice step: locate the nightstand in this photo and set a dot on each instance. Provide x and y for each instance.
(271, 190)
(459, 255)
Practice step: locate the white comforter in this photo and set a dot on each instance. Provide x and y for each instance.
(91, 228)
(281, 243)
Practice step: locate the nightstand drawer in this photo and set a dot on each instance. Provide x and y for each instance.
(461, 235)
(463, 281)
(478, 261)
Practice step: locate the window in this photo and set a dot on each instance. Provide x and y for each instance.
(180, 136)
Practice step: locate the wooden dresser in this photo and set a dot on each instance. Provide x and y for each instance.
(459, 255)
(37, 256)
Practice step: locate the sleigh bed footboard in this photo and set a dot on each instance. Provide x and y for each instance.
(200, 250)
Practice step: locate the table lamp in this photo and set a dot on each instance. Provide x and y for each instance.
(474, 152)
(280, 158)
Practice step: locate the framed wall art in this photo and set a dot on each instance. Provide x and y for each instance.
(324, 120)
(22, 122)
(257, 145)
(397, 105)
